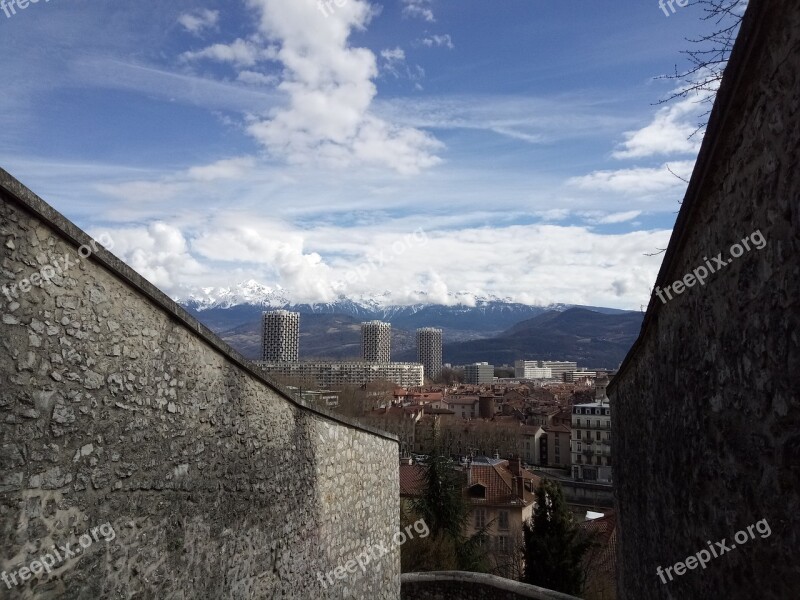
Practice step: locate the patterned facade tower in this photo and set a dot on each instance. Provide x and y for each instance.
(429, 351)
(376, 341)
(280, 336)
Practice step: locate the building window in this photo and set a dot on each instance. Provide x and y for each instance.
(480, 518)
(502, 519)
(503, 545)
(577, 423)
(597, 434)
(597, 422)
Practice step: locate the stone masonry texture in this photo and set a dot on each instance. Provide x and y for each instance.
(116, 407)
(706, 422)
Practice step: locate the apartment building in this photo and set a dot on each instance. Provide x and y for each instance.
(501, 497)
(376, 342)
(328, 374)
(478, 373)
(280, 336)
(557, 439)
(429, 351)
(591, 443)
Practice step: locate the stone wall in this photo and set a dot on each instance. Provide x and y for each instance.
(707, 405)
(119, 410)
(459, 585)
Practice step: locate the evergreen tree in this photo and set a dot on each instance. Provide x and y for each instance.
(442, 504)
(554, 545)
(444, 508)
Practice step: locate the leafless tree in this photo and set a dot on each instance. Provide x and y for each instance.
(708, 56)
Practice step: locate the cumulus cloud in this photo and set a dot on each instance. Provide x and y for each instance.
(158, 252)
(196, 21)
(398, 262)
(329, 88)
(669, 133)
(420, 9)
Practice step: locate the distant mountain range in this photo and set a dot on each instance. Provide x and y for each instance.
(592, 339)
(491, 330)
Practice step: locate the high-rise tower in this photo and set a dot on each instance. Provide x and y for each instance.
(376, 341)
(429, 351)
(280, 336)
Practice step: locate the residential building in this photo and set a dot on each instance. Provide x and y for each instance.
(478, 373)
(558, 446)
(429, 351)
(591, 443)
(376, 342)
(329, 374)
(531, 436)
(280, 336)
(467, 407)
(501, 498)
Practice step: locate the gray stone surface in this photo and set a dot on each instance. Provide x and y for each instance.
(707, 405)
(117, 407)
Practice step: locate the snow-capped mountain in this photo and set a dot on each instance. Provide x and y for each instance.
(253, 293)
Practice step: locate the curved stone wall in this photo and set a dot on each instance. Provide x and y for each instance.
(119, 410)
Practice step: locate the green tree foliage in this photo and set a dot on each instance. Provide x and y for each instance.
(554, 544)
(445, 510)
(442, 504)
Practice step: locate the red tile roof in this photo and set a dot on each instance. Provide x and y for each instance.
(601, 560)
(498, 481)
(412, 480)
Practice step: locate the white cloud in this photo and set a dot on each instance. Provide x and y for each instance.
(232, 168)
(196, 21)
(393, 55)
(620, 217)
(257, 79)
(242, 53)
(670, 132)
(400, 264)
(420, 9)
(329, 87)
(635, 181)
(160, 254)
(438, 41)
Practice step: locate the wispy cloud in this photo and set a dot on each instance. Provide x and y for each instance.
(243, 53)
(635, 181)
(196, 21)
(438, 40)
(420, 9)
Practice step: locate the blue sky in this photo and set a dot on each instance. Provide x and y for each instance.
(277, 142)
